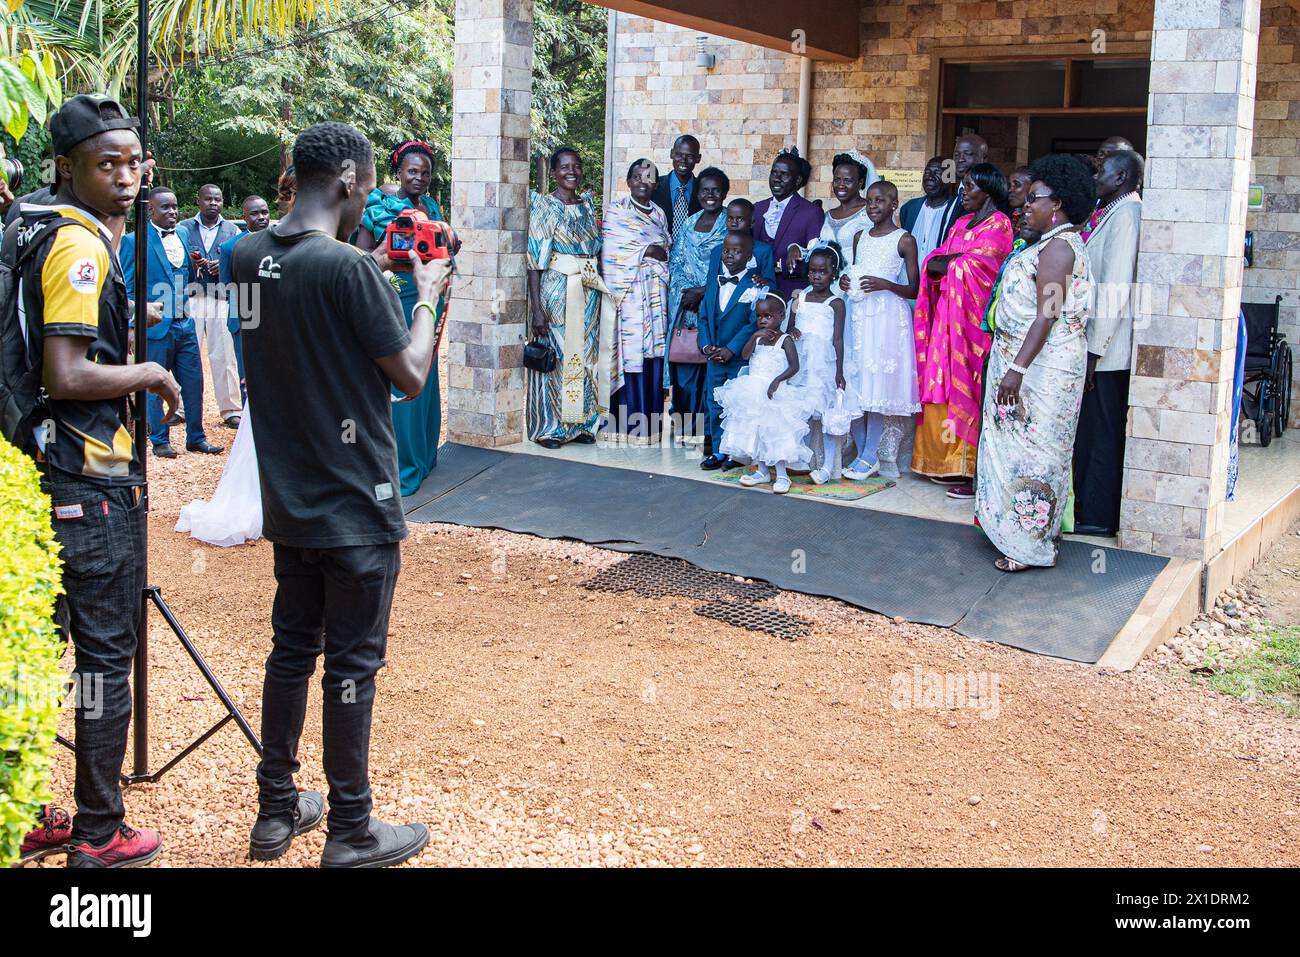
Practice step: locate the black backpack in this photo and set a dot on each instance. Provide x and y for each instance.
(22, 355)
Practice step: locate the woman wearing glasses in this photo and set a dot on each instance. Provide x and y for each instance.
(1036, 370)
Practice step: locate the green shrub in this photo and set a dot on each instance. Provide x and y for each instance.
(30, 648)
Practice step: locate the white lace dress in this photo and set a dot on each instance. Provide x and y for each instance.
(234, 513)
(764, 430)
(881, 362)
(816, 347)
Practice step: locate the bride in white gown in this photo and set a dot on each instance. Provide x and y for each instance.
(234, 513)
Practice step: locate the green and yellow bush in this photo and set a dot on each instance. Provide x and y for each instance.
(30, 648)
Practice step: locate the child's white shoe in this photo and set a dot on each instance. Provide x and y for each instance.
(859, 470)
(756, 478)
(819, 476)
(781, 486)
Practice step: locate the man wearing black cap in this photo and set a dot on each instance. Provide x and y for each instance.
(78, 314)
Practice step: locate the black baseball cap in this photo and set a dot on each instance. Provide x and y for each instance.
(84, 116)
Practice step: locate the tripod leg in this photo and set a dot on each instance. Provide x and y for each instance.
(155, 596)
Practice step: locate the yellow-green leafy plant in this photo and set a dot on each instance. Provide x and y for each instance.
(30, 648)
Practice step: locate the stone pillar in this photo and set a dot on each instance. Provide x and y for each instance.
(491, 100)
(1200, 127)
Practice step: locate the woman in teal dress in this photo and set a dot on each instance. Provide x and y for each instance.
(417, 423)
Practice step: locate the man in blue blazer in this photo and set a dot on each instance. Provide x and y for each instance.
(726, 323)
(204, 235)
(172, 343)
(257, 216)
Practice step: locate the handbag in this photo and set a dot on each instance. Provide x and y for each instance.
(539, 356)
(685, 347)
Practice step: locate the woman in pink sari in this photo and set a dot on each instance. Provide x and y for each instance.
(957, 280)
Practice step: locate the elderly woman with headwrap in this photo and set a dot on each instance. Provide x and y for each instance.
(417, 423)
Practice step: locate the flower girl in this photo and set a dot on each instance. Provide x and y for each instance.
(764, 415)
(818, 315)
(881, 369)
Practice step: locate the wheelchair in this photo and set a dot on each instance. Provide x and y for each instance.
(1266, 391)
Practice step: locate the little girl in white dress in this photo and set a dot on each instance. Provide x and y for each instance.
(765, 415)
(881, 369)
(818, 314)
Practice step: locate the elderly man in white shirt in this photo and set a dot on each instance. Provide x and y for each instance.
(1111, 238)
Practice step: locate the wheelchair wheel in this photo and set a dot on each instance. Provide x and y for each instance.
(1283, 380)
(1266, 413)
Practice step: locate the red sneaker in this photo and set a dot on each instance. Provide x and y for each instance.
(52, 834)
(127, 848)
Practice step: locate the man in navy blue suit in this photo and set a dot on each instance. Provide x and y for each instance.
(257, 216)
(172, 343)
(726, 323)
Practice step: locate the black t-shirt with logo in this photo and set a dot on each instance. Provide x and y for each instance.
(321, 414)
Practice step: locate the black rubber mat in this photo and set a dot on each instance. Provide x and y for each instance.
(1070, 611)
(929, 572)
(457, 464)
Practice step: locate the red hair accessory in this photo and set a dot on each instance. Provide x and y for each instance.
(407, 145)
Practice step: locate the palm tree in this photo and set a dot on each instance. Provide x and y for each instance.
(48, 46)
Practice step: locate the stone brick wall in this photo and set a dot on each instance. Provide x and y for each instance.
(745, 108)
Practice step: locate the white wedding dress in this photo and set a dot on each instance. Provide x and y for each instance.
(234, 513)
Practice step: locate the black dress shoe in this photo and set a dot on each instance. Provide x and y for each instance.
(164, 451)
(551, 444)
(1095, 530)
(176, 419)
(231, 421)
(272, 836)
(383, 846)
(729, 463)
(713, 462)
(203, 447)
(585, 439)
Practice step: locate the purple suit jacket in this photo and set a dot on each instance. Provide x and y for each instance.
(800, 223)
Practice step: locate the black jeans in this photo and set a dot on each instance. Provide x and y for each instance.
(336, 601)
(102, 532)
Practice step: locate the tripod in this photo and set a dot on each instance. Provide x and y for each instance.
(151, 594)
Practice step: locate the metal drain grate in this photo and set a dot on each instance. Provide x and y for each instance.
(653, 576)
(744, 614)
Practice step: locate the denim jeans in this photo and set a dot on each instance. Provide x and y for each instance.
(336, 601)
(178, 352)
(102, 531)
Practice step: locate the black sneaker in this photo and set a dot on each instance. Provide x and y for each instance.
(384, 846)
(272, 836)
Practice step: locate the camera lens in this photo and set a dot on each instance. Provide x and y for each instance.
(12, 172)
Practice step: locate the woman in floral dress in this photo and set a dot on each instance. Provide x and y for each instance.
(1036, 371)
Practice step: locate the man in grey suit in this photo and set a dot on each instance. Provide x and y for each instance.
(203, 235)
(1112, 247)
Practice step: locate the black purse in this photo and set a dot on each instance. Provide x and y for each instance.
(539, 355)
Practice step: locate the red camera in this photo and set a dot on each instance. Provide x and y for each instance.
(414, 232)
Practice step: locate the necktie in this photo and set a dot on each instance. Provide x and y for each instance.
(680, 210)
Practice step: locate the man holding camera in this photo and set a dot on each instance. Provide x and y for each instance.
(77, 319)
(328, 340)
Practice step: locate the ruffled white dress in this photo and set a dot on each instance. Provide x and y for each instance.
(881, 351)
(234, 513)
(816, 346)
(766, 431)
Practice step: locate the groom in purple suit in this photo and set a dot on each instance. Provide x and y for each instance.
(788, 219)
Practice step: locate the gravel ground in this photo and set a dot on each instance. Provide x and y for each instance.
(528, 721)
